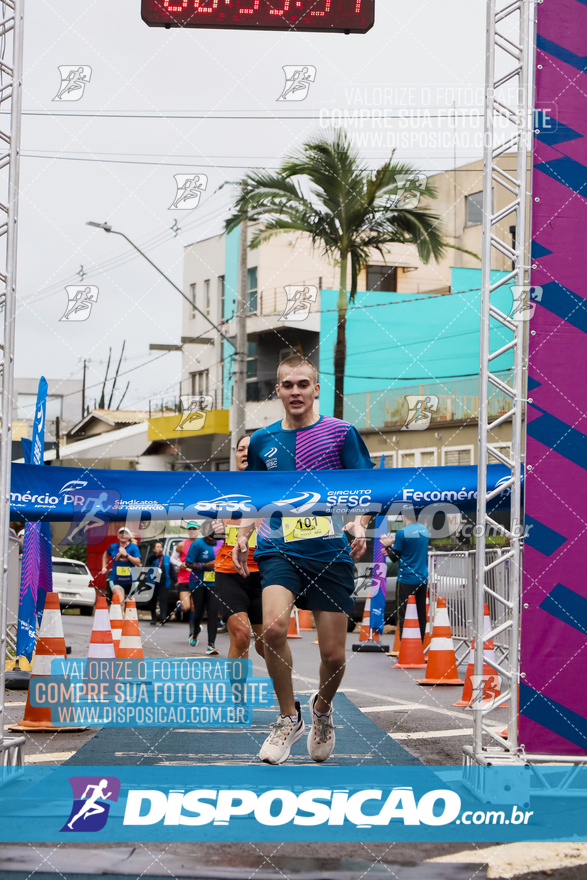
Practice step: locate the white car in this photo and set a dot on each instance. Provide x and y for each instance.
(73, 582)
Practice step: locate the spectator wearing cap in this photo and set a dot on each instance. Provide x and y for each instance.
(124, 555)
(409, 547)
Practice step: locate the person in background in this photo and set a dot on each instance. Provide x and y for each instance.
(124, 556)
(200, 560)
(239, 598)
(409, 546)
(167, 580)
(178, 558)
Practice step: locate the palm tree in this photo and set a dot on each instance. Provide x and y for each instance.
(350, 212)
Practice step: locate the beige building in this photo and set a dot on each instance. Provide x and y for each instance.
(210, 272)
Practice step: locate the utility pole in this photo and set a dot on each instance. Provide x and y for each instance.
(238, 414)
(84, 390)
(57, 433)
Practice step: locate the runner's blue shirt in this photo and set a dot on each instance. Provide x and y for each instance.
(412, 542)
(121, 568)
(329, 444)
(200, 551)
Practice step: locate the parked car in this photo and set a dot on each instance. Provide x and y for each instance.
(73, 582)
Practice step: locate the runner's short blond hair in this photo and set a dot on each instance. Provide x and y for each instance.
(296, 360)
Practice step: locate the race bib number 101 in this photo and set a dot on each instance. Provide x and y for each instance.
(300, 528)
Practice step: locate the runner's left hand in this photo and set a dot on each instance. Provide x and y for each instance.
(359, 545)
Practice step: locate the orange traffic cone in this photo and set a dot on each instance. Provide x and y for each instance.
(491, 689)
(396, 643)
(365, 633)
(442, 663)
(293, 630)
(101, 644)
(411, 655)
(427, 637)
(50, 644)
(116, 621)
(130, 641)
(305, 620)
(369, 639)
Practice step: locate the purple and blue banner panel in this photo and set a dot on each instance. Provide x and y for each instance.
(108, 804)
(36, 579)
(553, 699)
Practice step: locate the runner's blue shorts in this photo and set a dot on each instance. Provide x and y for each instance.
(319, 586)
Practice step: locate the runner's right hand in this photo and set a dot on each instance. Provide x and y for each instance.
(240, 555)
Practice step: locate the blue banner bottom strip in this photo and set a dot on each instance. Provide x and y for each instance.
(323, 803)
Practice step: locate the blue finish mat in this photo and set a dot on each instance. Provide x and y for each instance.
(358, 741)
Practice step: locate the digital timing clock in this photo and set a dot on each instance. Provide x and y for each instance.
(325, 16)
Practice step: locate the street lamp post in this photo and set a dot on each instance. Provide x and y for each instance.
(107, 228)
(238, 412)
(238, 409)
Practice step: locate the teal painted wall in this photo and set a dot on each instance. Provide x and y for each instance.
(231, 244)
(411, 337)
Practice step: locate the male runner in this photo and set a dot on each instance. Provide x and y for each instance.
(304, 559)
(410, 546)
(239, 598)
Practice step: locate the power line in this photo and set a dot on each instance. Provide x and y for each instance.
(256, 116)
(126, 256)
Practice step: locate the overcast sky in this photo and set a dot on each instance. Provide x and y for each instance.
(410, 61)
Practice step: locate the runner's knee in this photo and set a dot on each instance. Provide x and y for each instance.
(240, 636)
(276, 631)
(333, 656)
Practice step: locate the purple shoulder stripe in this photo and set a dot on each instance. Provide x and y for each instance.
(319, 448)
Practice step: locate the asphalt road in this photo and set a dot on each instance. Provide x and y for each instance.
(421, 719)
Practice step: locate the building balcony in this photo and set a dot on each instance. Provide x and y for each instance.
(454, 400)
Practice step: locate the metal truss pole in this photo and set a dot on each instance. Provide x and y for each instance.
(515, 82)
(11, 64)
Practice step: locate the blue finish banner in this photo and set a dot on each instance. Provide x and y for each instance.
(36, 578)
(62, 494)
(97, 804)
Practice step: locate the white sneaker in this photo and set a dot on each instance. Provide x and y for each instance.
(321, 737)
(285, 733)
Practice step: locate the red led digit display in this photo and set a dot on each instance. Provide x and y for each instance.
(334, 16)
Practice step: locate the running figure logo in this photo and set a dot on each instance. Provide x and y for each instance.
(74, 79)
(297, 82)
(485, 690)
(299, 302)
(143, 587)
(90, 808)
(193, 411)
(189, 189)
(91, 516)
(409, 188)
(420, 409)
(525, 299)
(80, 299)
